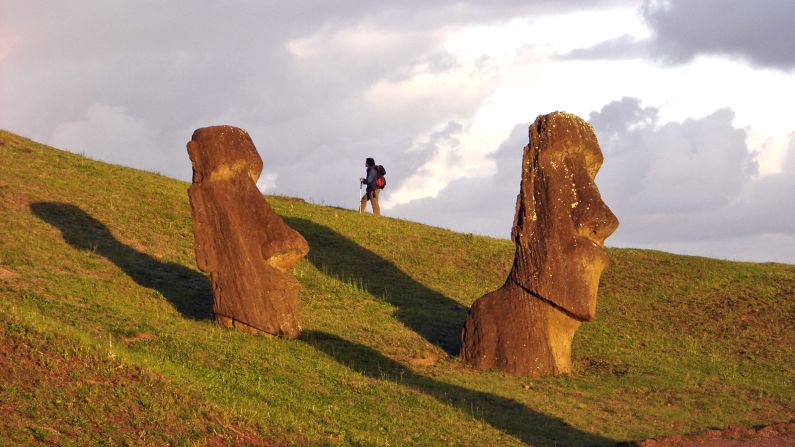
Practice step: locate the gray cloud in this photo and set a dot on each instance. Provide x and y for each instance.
(622, 47)
(760, 32)
(690, 187)
(699, 164)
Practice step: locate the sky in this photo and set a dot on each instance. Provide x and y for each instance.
(692, 102)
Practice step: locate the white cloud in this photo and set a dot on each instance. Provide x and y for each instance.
(476, 204)
(267, 182)
(111, 134)
(437, 172)
(771, 152)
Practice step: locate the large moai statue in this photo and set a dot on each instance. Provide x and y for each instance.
(244, 245)
(526, 327)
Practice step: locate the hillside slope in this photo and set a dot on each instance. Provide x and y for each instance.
(109, 324)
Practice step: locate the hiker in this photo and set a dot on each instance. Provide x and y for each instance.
(375, 183)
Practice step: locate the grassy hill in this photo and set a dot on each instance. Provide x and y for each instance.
(106, 332)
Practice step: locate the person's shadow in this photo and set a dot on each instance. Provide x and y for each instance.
(429, 313)
(502, 413)
(188, 290)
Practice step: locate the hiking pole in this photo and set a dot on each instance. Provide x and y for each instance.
(359, 197)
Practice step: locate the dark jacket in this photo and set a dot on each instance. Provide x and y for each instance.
(372, 175)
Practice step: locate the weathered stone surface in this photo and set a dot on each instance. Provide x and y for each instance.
(561, 222)
(244, 245)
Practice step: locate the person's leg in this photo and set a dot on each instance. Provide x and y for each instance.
(374, 201)
(363, 204)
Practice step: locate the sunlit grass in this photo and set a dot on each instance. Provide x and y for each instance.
(100, 258)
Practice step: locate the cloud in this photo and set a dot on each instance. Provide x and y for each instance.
(622, 47)
(267, 182)
(759, 32)
(697, 164)
(437, 172)
(690, 187)
(766, 206)
(479, 205)
(111, 134)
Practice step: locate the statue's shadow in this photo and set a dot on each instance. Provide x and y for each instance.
(187, 290)
(429, 313)
(504, 414)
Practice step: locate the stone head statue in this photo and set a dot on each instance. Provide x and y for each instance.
(561, 222)
(244, 245)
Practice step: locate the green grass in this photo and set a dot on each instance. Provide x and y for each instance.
(100, 297)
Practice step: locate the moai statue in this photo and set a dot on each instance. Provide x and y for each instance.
(526, 327)
(244, 245)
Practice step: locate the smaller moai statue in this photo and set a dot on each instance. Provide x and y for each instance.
(526, 327)
(244, 245)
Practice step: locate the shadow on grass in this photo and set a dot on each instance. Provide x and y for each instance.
(506, 415)
(188, 290)
(434, 316)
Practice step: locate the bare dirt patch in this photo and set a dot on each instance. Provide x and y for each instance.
(774, 435)
(15, 201)
(142, 336)
(8, 275)
(427, 359)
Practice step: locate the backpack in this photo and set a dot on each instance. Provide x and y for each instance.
(380, 181)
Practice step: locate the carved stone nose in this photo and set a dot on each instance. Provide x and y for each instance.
(592, 217)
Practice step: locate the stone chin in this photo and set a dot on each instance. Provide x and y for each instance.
(571, 287)
(588, 261)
